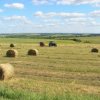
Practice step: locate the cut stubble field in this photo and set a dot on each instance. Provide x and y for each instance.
(70, 68)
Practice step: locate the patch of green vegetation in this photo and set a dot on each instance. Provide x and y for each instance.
(70, 38)
(11, 94)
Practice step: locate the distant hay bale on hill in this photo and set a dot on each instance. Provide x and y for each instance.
(52, 44)
(42, 44)
(6, 71)
(95, 50)
(33, 52)
(12, 45)
(11, 53)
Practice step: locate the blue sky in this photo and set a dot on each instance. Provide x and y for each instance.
(49, 16)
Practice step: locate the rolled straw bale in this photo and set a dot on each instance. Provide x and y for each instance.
(12, 53)
(42, 44)
(33, 52)
(12, 45)
(6, 71)
(95, 50)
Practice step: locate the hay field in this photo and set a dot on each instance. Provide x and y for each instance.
(68, 68)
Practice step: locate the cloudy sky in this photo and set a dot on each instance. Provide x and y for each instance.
(49, 16)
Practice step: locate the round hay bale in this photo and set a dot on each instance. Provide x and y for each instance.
(6, 71)
(52, 44)
(12, 45)
(11, 53)
(42, 44)
(95, 50)
(33, 52)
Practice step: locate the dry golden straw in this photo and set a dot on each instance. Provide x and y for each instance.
(33, 52)
(6, 71)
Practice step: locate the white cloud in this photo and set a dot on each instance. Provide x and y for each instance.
(60, 14)
(65, 14)
(15, 5)
(95, 13)
(52, 24)
(39, 14)
(67, 2)
(81, 19)
(37, 26)
(97, 4)
(18, 18)
(94, 23)
(87, 1)
(86, 21)
(81, 1)
(37, 2)
(45, 15)
(15, 17)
